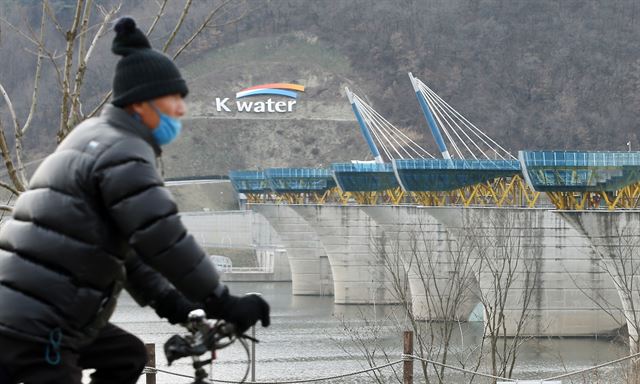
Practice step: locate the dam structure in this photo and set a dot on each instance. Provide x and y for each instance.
(476, 226)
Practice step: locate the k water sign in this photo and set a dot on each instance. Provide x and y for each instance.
(245, 101)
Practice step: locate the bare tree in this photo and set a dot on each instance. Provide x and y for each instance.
(437, 289)
(509, 273)
(614, 238)
(621, 262)
(70, 66)
(434, 278)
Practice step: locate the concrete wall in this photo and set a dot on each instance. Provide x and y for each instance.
(570, 294)
(442, 284)
(615, 236)
(231, 229)
(191, 196)
(240, 229)
(347, 235)
(310, 269)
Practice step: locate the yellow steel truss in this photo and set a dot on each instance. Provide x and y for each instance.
(512, 191)
(389, 196)
(366, 198)
(303, 198)
(255, 197)
(333, 195)
(394, 196)
(500, 192)
(624, 198)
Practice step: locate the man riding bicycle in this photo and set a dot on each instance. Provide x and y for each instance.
(97, 218)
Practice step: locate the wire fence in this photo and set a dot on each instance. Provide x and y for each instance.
(404, 358)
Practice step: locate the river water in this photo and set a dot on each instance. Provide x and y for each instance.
(311, 337)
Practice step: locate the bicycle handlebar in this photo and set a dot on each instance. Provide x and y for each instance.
(205, 335)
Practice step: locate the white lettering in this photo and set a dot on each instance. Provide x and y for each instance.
(281, 106)
(270, 103)
(222, 104)
(244, 106)
(259, 107)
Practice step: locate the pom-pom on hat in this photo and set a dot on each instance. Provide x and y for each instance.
(142, 73)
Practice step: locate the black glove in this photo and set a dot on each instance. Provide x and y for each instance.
(242, 311)
(174, 307)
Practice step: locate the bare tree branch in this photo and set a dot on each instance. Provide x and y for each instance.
(52, 57)
(36, 81)
(102, 102)
(9, 188)
(232, 21)
(158, 16)
(81, 35)
(74, 110)
(19, 31)
(70, 37)
(101, 31)
(8, 162)
(83, 60)
(12, 111)
(16, 126)
(185, 10)
(53, 18)
(204, 24)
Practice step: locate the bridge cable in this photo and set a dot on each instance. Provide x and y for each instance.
(453, 120)
(387, 134)
(411, 144)
(443, 108)
(438, 101)
(440, 118)
(383, 132)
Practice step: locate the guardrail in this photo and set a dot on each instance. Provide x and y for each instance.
(249, 270)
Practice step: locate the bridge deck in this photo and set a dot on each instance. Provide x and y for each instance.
(368, 177)
(563, 171)
(418, 175)
(299, 180)
(249, 181)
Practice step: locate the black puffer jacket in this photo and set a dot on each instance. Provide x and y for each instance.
(97, 198)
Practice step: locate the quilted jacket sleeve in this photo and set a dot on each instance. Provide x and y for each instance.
(144, 283)
(145, 213)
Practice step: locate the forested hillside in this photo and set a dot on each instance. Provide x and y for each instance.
(561, 74)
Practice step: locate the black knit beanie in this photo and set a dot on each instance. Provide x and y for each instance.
(142, 73)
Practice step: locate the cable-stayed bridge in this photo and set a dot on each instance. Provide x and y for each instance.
(562, 212)
(472, 170)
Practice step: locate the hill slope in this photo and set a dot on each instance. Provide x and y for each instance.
(320, 129)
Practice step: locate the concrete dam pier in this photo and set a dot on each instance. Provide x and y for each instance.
(531, 258)
(310, 268)
(348, 235)
(615, 236)
(441, 284)
(454, 258)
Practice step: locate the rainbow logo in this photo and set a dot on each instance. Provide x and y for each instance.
(277, 89)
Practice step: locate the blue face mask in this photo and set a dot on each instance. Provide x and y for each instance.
(168, 129)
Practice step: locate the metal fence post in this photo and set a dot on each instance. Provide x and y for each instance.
(253, 354)
(408, 362)
(151, 362)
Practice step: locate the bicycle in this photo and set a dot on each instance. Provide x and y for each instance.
(205, 335)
